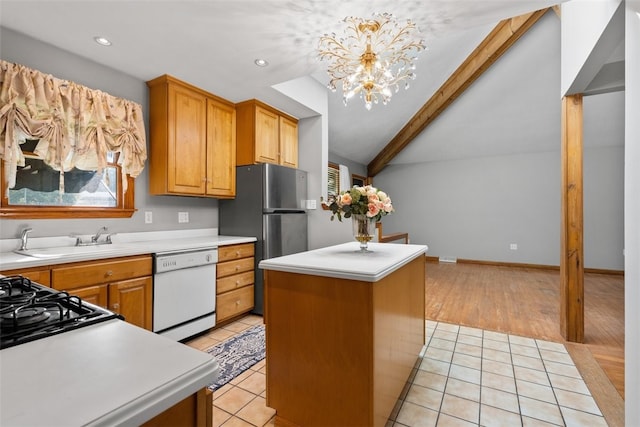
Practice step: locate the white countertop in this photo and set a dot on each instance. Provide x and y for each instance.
(347, 262)
(123, 245)
(108, 374)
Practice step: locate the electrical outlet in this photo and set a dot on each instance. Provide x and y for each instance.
(183, 217)
(513, 246)
(148, 217)
(311, 204)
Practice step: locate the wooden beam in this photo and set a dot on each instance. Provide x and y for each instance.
(571, 230)
(501, 38)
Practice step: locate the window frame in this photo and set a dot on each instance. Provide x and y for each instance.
(125, 204)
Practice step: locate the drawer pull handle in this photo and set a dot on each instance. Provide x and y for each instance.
(237, 267)
(109, 273)
(238, 253)
(238, 302)
(237, 283)
(115, 307)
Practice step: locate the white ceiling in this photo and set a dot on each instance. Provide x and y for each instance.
(212, 44)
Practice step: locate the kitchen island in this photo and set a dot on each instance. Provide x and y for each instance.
(344, 329)
(107, 374)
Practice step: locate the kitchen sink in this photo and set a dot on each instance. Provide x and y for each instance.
(61, 251)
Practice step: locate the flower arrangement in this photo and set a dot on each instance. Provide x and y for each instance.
(358, 200)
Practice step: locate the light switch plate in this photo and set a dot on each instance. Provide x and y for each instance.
(148, 217)
(183, 217)
(311, 204)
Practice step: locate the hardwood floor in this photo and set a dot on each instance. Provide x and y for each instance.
(525, 301)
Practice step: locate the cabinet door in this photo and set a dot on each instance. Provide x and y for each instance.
(133, 299)
(96, 295)
(221, 149)
(186, 151)
(288, 143)
(267, 136)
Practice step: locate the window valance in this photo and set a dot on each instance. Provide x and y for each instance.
(75, 126)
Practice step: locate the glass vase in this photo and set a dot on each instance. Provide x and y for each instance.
(363, 228)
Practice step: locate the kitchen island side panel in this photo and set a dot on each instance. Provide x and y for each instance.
(340, 351)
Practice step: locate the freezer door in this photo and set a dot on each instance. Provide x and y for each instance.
(284, 188)
(284, 234)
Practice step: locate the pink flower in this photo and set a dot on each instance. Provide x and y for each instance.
(373, 210)
(387, 207)
(345, 199)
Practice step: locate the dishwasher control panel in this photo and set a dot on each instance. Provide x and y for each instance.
(168, 261)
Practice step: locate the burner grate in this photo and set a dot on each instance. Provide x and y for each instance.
(30, 311)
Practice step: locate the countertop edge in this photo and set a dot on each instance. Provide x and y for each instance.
(14, 261)
(161, 398)
(276, 265)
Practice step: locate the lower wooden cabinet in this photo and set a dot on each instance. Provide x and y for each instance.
(122, 285)
(38, 275)
(233, 303)
(195, 410)
(235, 280)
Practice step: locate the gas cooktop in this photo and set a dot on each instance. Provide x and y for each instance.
(30, 311)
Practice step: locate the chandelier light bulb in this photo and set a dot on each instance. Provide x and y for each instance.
(373, 56)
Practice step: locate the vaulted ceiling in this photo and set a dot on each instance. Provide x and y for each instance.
(213, 44)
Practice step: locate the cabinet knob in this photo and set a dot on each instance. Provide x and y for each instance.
(237, 267)
(238, 302)
(237, 283)
(115, 307)
(237, 253)
(109, 273)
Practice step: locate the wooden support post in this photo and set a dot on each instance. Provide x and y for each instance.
(571, 230)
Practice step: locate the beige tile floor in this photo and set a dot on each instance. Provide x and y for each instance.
(466, 377)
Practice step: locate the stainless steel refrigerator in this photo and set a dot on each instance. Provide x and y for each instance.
(269, 206)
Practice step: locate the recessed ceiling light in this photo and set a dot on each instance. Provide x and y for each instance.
(102, 41)
(261, 62)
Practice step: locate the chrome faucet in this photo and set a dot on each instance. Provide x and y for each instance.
(23, 238)
(94, 239)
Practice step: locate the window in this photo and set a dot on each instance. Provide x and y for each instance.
(333, 183)
(49, 125)
(40, 191)
(358, 180)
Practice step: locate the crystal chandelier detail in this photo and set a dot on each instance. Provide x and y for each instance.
(373, 57)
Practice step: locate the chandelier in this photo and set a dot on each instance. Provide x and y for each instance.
(373, 58)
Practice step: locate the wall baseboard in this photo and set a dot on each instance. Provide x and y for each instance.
(436, 259)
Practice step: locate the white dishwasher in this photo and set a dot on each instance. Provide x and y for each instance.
(184, 292)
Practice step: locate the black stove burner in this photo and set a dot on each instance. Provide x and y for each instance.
(30, 311)
(25, 315)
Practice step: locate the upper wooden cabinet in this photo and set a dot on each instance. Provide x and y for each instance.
(192, 140)
(265, 135)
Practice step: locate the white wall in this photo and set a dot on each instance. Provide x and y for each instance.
(632, 213)
(203, 213)
(475, 208)
(584, 42)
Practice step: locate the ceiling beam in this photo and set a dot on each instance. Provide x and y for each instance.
(501, 38)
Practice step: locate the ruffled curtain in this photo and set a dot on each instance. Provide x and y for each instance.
(76, 126)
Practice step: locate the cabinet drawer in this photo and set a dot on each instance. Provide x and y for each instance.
(234, 302)
(233, 267)
(96, 272)
(42, 276)
(228, 253)
(232, 282)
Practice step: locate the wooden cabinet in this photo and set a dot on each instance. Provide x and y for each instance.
(122, 285)
(265, 135)
(235, 280)
(192, 141)
(195, 410)
(39, 275)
